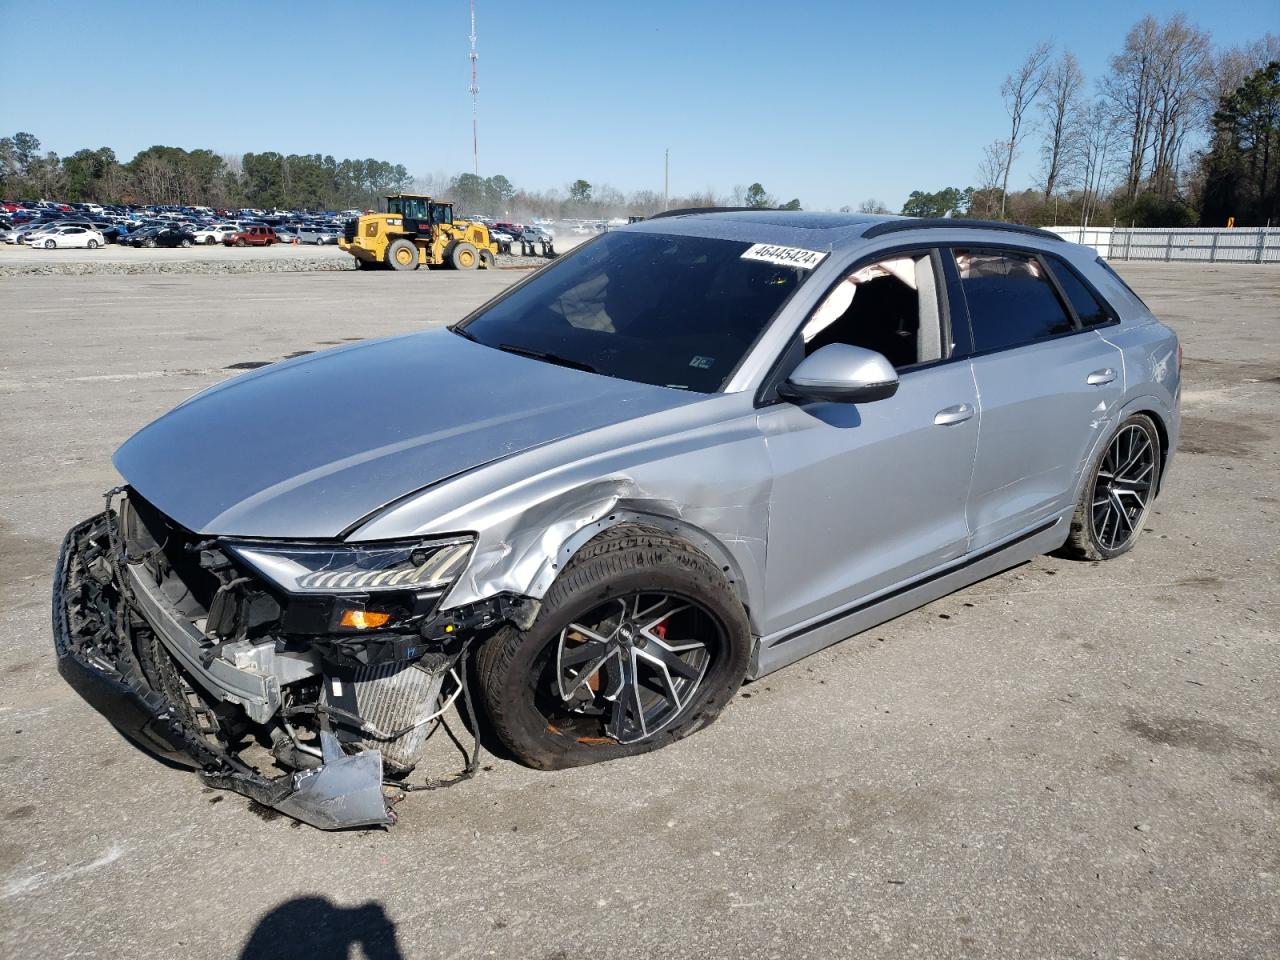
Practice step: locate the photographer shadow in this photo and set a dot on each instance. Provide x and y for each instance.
(313, 928)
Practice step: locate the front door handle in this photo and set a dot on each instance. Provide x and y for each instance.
(953, 415)
(1099, 377)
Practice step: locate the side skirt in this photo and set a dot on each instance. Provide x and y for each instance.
(783, 649)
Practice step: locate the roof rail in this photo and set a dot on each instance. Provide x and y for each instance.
(689, 211)
(927, 223)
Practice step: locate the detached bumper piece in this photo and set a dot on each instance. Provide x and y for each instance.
(98, 632)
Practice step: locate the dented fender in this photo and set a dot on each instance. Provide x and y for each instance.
(708, 481)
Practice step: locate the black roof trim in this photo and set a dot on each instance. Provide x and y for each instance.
(689, 211)
(928, 223)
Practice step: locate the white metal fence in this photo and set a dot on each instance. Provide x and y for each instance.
(1203, 244)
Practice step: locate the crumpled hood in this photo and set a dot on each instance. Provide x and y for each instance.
(306, 448)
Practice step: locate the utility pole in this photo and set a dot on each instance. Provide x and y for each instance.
(475, 90)
(666, 178)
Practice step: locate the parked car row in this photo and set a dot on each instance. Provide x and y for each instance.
(165, 226)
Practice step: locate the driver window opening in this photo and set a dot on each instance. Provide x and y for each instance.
(890, 306)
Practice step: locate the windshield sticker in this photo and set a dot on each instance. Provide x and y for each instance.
(785, 256)
(702, 363)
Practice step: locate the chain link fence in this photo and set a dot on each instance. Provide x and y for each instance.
(1201, 244)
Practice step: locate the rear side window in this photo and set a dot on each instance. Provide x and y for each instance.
(1089, 308)
(1011, 300)
(1119, 279)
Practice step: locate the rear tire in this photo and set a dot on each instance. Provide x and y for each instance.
(186, 242)
(464, 256)
(522, 673)
(93, 244)
(1117, 493)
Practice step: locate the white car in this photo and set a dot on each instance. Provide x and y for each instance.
(68, 237)
(216, 233)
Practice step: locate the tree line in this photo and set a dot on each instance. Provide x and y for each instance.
(1175, 133)
(172, 175)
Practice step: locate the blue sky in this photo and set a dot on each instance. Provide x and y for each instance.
(829, 102)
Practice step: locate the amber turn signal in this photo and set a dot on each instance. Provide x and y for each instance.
(363, 619)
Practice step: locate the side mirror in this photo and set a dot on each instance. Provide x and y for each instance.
(841, 373)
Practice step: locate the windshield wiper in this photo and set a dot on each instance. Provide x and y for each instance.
(547, 357)
(462, 332)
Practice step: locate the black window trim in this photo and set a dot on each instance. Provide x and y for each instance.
(1113, 317)
(1039, 256)
(788, 358)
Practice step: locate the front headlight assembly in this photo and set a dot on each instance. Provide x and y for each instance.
(420, 566)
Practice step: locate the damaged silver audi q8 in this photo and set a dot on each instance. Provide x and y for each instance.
(693, 451)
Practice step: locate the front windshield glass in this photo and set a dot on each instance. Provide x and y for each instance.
(672, 311)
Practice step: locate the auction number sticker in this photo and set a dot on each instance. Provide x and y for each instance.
(785, 256)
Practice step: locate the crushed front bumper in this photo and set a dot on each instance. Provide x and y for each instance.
(93, 617)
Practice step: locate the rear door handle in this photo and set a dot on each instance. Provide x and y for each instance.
(953, 415)
(1099, 377)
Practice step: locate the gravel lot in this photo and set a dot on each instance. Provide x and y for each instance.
(1067, 760)
(18, 260)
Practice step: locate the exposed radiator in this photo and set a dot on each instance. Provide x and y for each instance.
(389, 696)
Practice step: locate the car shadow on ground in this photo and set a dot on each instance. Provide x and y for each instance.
(314, 928)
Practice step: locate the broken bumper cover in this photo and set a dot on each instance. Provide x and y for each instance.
(95, 657)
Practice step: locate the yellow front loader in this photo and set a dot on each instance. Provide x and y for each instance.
(417, 230)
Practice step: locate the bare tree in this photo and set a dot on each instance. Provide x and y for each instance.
(1156, 88)
(1228, 68)
(1182, 70)
(872, 205)
(1020, 90)
(1061, 110)
(990, 172)
(1130, 90)
(1100, 144)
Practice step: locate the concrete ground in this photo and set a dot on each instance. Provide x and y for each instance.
(1067, 760)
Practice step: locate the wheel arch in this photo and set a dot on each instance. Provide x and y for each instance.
(705, 542)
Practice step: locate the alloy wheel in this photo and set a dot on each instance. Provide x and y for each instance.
(1123, 487)
(629, 667)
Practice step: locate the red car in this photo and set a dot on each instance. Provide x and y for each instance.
(251, 237)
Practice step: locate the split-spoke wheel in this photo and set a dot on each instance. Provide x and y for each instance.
(639, 642)
(633, 665)
(1118, 493)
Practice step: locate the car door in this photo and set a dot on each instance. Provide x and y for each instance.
(1047, 391)
(866, 496)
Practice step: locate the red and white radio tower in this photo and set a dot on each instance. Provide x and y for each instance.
(475, 90)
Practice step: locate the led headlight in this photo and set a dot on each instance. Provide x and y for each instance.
(356, 568)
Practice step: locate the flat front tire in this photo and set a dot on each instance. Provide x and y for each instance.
(1117, 492)
(640, 642)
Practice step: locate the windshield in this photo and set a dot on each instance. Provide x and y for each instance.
(667, 310)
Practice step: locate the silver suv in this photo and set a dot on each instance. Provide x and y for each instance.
(689, 453)
(311, 233)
